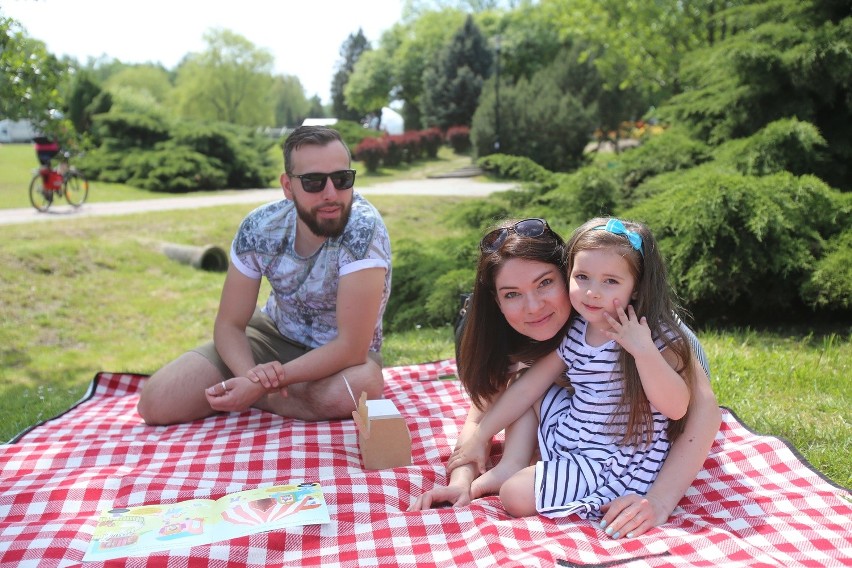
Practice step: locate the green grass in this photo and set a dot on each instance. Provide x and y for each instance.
(91, 294)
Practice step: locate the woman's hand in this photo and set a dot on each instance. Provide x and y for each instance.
(233, 395)
(471, 451)
(454, 495)
(632, 515)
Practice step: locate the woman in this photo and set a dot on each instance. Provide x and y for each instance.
(519, 311)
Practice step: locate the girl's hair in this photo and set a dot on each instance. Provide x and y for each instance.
(655, 300)
(488, 344)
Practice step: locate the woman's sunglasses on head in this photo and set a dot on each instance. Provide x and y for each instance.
(533, 227)
(314, 183)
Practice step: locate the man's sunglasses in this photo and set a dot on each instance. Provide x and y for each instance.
(314, 183)
(527, 228)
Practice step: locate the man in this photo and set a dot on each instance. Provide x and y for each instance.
(326, 253)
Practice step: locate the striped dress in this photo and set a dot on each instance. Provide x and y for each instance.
(582, 465)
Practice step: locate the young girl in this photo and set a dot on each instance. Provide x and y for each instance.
(630, 382)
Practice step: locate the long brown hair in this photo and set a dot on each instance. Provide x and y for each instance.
(488, 344)
(655, 300)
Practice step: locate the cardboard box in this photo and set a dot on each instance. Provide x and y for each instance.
(383, 435)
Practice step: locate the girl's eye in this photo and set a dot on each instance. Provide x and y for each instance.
(510, 295)
(580, 276)
(545, 282)
(611, 281)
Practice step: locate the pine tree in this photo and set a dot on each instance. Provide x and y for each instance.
(350, 51)
(451, 87)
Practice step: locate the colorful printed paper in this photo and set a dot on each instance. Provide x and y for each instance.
(141, 530)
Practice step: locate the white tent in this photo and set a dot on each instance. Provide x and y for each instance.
(392, 121)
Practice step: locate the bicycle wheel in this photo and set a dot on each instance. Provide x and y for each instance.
(40, 197)
(76, 188)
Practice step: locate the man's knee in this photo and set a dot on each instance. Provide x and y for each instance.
(175, 393)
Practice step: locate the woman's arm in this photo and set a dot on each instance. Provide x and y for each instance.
(511, 405)
(632, 515)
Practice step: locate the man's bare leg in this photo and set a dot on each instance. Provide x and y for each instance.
(326, 399)
(175, 393)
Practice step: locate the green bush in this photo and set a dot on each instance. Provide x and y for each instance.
(830, 283)
(124, 131)
(741, 245)
(242, 154)
(784, 145)
(514, 167)
(415, 267)
(173, 168)
(670, 151)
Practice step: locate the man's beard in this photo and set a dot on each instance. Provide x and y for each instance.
(325, 227)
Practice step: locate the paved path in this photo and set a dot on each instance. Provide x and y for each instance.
(61, 210)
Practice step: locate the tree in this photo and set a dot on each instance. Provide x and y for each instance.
(351, 50)
(153, 79)
(86, 99)
(291, 106)
(451, 86)
(29, 76)
(406, 50)
(231, 81)
(781, 59)
(544, 118)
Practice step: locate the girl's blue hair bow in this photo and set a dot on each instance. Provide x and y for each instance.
(616, 227)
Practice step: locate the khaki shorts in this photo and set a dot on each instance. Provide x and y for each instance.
(267, 344)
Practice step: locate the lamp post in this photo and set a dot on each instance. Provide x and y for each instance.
(497, 95)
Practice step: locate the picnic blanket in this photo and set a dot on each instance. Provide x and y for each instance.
(756, 503)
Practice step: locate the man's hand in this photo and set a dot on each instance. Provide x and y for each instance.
(233, 395)
(270, 375)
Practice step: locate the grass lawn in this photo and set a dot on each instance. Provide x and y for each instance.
(90, 294)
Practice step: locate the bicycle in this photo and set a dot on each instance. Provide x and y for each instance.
(65, 180)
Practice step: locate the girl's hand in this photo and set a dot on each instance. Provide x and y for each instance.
(470, 452)
(630, 331)
(454, 495)
(632, 515)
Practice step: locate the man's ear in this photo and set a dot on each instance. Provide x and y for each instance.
(285, 185)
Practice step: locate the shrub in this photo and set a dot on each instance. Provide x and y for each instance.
(395, 150)
(173, 168)
(458, 137)
(515, 167)
(830, 284)
(122, 131)
(371, 152)
(431, 140)
(411, 146)
(353, 133)
(784, 145)
(740, 245)
(670, 151)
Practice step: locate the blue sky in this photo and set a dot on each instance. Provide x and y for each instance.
(304, 36)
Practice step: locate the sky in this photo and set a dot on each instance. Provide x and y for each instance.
(303, 36)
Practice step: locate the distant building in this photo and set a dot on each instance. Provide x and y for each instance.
(319, 122)
(12, 131)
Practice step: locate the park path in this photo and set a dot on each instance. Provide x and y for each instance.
(465, 186)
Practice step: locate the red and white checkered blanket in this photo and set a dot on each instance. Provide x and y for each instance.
(756, 503)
